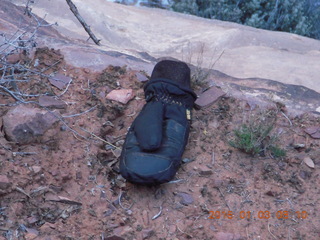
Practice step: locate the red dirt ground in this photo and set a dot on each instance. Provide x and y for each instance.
(70, 188)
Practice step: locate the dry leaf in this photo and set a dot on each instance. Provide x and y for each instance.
(309, 162)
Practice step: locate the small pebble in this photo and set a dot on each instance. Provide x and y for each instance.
(108, 147)
(187, 160)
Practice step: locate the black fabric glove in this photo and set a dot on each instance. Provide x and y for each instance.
(157, 138)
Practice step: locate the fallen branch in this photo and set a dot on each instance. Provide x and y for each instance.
(99, 138)
(79, 114)
(158, 214)
(224, 199)
(22, 191)
(86, 27)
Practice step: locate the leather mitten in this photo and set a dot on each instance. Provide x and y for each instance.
(157, 138)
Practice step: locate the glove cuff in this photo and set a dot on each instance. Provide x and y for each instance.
(169, 92)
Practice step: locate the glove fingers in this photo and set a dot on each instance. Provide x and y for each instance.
(148, 126)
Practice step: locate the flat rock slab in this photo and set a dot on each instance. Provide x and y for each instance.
(313, 131)
(51, 102)
(59, 80)
(209, 97)
(24, 124)
(121, 95)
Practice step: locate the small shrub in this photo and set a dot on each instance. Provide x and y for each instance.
(255, 137)
(250, 138)
(277, 152)
(295, 16)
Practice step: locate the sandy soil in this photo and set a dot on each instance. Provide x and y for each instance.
(67, 185)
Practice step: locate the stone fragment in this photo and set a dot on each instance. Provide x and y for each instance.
(31, 234)
(217, 183)
(185, 198)
(114, 237)
(121, 95)
(47, 227)
(315, 155)
(145, 218)
(209, 97)
(172, 229)
(120, 231)
(313, 131)
(141, 77)
(187, 160)
(305, 174)
(36, 169)
(299, 145)
(13, 58)
(309, 162)
(59, 80)
(32, 220)
(227, 236)
(51, 102)
(147, 233)
(205, 173)
(4, 182)
(24, 124)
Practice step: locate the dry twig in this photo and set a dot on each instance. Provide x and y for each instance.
(99, 138)
(286, 117)
(22, 191)
(158, 214)
(86, 27)
(119, 200)
(79, 114)
(224, 199)
(19, 43)
(270, 231)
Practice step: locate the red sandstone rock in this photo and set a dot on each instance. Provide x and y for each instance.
(209, 97)
(121, 95)
(51, 102)
(24, 124)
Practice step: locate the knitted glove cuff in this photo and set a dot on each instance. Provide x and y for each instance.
(169, 92)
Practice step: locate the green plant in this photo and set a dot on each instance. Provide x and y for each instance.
(277, 152)
(250, 138)
(295, 16)
(255, 136)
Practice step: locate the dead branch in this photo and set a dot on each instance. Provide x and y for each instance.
(79, 114)
(20, 43)
(99, 138)
(22, 191)
(86, 27)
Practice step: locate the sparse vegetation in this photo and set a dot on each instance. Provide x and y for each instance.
(277, 152)
(255, 136)
(295, 16)
(199, 72)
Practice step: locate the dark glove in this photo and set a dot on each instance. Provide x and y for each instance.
(157, 138)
